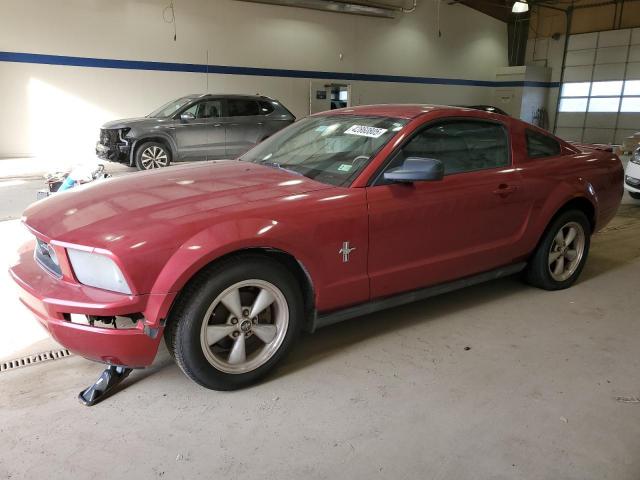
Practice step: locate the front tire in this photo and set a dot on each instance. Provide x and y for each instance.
(235, 321)
(151, 155)
(560, 257)
(634, 195)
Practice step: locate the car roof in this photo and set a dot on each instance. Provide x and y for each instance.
(227, 95)
(398, 110)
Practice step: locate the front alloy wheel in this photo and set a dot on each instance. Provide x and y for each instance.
(235, 321)
(244, 326)
(152, 155)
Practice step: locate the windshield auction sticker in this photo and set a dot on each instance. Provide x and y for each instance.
(364, 131)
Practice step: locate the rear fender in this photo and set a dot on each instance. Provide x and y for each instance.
(560, 197)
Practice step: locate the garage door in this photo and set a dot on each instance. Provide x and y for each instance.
(600, 95)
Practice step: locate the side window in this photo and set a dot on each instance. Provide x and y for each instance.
(206, 109)
(540, 145)
(242, 108)
(265, 107)
(461, 145)
(193, 110)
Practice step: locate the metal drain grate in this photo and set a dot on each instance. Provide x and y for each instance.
(33, 359)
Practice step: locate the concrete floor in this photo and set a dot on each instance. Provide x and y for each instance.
(390, 395)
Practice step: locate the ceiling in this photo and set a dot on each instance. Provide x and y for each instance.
(500, 9)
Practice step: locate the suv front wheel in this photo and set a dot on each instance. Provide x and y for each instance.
(152, 155)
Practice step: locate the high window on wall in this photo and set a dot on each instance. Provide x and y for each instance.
(613, 96)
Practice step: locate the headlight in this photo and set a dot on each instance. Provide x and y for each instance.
(97, 270)
(635, 157)
(124, 132)
(46, 256)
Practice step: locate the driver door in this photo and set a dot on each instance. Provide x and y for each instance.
(201, 136)
(429, 232)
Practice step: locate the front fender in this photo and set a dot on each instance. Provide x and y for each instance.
(143, 137)
(224, 238)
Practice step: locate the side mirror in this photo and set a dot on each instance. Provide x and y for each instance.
(187, 116)
(415, 169)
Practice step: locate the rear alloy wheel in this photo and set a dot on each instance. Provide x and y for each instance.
(152, 155)
(235, 321)
(561, 255)
(566, 251)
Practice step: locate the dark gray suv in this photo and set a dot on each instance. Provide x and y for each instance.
(195, 127)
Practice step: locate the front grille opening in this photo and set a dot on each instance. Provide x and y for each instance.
(33, 359)
(125, 322)
(109, 137)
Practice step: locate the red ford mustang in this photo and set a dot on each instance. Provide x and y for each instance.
(338, 215)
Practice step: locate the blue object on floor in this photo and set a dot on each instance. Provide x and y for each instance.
(67, 184)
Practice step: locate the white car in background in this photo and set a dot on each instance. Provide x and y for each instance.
(632, 175)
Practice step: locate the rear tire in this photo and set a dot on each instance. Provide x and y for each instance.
(235, 322)
(561, 254)
(152, 155)
(634, 195)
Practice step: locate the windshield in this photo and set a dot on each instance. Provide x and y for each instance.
(330, 149)
(169, 109)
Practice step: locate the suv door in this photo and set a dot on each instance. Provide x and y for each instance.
(427, 233)
(202, 136)
(244, 125)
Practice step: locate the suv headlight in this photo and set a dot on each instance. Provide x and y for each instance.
(96, 270)
(123, 133)
(635, 157)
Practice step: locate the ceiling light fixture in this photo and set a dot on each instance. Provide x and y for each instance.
(521, 6)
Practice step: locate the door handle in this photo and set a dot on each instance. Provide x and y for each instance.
(217, 124)
(503, 189)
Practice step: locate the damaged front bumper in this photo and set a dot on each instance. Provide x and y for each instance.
(60, 306)
(113, 146)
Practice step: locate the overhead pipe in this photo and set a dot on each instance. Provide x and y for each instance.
(393, 7)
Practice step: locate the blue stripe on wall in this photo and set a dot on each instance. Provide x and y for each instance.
(264, 72)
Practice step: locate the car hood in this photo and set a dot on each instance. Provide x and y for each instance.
(110, 213)
(135, 122)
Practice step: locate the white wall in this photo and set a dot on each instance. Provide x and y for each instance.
(547, 52)
(47, 106)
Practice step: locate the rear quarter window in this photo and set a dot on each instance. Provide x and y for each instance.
(540, 145)
(242, 108)
(265, 107)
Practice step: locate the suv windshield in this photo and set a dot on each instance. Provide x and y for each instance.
(169, 109)
(330, 149)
